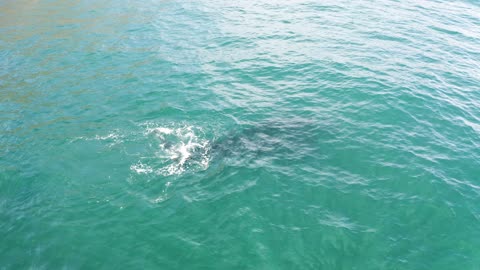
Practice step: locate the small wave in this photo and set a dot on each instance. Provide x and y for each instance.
(112, 139)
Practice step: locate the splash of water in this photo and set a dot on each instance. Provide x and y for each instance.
(179, 149)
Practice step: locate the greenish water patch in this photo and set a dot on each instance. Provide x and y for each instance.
(239, 135)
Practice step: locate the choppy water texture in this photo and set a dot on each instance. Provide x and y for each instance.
(239, 134)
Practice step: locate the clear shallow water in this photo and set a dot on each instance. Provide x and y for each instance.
(239, 135)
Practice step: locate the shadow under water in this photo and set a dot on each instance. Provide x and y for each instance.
(285, 140)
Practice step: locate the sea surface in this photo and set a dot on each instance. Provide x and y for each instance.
(266, 134)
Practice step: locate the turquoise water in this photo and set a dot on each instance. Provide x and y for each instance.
(239, 134)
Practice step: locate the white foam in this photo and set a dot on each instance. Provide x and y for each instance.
(164, 130)
(141, 168)
(180, 149)
(112, 136)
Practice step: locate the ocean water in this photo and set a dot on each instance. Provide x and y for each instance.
(239, 134)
